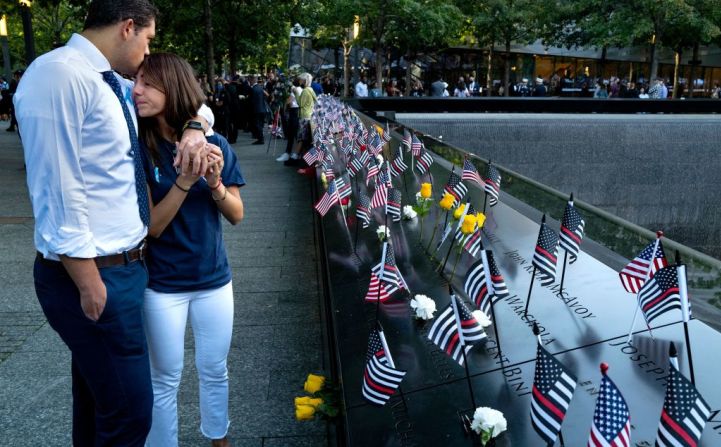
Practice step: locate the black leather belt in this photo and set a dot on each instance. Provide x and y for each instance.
(124, 258)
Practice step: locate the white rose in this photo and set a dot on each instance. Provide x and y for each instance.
(418, 197)
(379, 159)
(488, 419)
(423, 306)
(409, 213)
(482, 318)
(383, 232)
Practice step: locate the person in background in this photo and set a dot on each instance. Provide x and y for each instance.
(361, 88)
(306, 101)
(291, 109)
(392, 88)
(417, 89)
(317, 88)
(438, 87)
(258, 104)
(187, 264)
(461, 90)
(89, 195)
(540, 89)
(601, 90)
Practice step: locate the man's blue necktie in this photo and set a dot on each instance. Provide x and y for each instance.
(140, 185)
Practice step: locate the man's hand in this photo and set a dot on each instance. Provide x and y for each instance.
(85, 275)
(192, 154)
(93, 300)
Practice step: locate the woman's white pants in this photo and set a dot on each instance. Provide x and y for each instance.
(211, 317)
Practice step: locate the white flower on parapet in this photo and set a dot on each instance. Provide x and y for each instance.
(482, 318)
(488, 423)
(379, 159)
(423, 307)
(383, 232)
(409, 213)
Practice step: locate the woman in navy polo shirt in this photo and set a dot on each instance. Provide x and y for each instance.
(187, 263)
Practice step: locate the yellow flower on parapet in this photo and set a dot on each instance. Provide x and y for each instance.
(447, 202)
(459, 212)
(314, 383)
(307, 400)
(469, 224)
(480, 219)
(304, 412)
(426, 190)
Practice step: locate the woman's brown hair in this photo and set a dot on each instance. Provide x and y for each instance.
(175, 78)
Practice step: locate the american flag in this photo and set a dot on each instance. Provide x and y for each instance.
(329, 199)
(384, 177)
(634, 273)
(611, 419)
(328, 170)
(393, 205)
(493, 184)
(407, 141)
(358, 162)
(424, 162)
(375, 144)
(469, 210)
(455, 187)
(380, 196)
(387, 270)
(470, 173)
(473, 243)
(416, 147)
(381, 378)
(684, 413)
(571, 233)
(552, 391)
(660, 294)
(386, 134)
(479, 288)
(445, 331)
(363, 210)
(343, 188)
(312, 156)
(373, 170)
(398, 166)
(544, 258)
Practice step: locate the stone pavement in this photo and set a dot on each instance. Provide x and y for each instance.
(277, 335)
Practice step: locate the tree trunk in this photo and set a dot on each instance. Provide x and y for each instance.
(209, 56)
(233, 55)
(692, 75)
(676, 66)
(654, 57)
(409, 75)
(507, 69)
(379, 69)
(489, 72)
(347, 47)
(336, 62)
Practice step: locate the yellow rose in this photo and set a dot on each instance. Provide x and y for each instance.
(459, 212)
(304, 412)
(426, 190)
(307, 400)
(447, 202)
(469, 224)
(314, 383)
(480, 219)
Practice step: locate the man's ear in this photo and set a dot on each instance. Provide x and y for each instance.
(126, 28)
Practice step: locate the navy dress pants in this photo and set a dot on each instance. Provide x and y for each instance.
(112, 392)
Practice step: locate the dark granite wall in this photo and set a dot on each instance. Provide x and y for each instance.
(659, 171)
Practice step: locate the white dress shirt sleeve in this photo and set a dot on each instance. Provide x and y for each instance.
(51, 130)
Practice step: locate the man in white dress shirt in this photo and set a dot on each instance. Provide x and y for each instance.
(90, 203)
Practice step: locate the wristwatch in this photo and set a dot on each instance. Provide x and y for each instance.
(193, 125)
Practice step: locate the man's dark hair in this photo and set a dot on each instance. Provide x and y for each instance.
(102, 13)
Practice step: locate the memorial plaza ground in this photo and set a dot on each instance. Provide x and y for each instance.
(277, 331)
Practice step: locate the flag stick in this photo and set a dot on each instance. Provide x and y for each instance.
(357, 223)
(563, 272)
(485, 196)
(683, 292)
(463, 345)
(489, 286)
(380, 278)
(450, 247)
(565, 258)
(530, 288)
(455, 264)
(659, 234)
(435, 226)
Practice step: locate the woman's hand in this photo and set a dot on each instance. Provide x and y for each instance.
(187, 180)
(215, 166)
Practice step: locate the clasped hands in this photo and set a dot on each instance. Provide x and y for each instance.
(197, 158)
